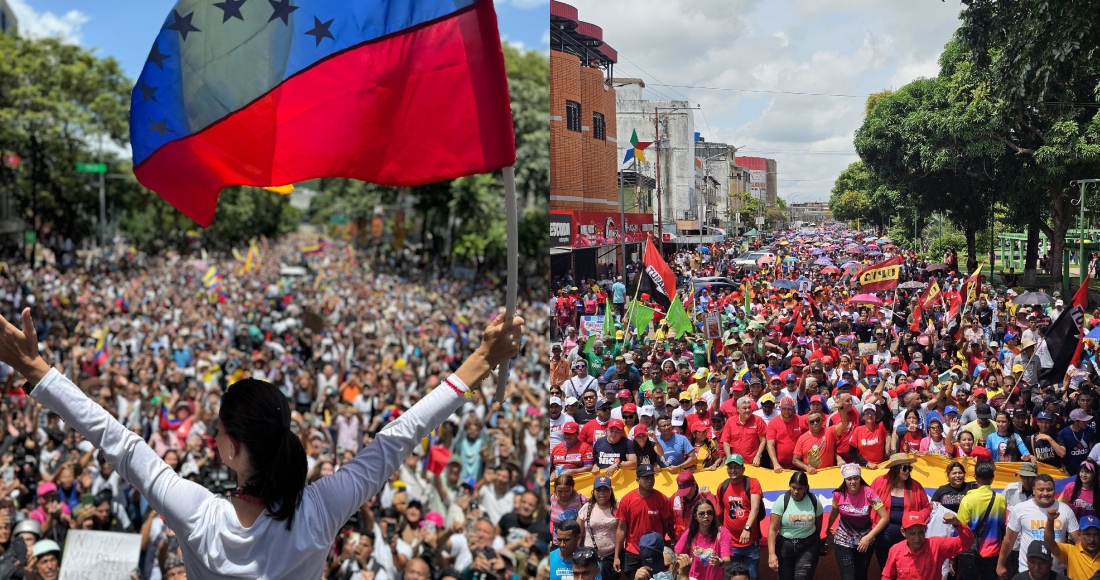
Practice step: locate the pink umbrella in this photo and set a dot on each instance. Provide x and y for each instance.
(765, 259)
(830, 270)
(865, 299)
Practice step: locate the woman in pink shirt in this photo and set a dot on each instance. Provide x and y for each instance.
(706, 542)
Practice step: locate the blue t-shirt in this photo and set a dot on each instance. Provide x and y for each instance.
(676, 449)
(560, 568)
(618, 293)
(999, 446)
(1077, 447)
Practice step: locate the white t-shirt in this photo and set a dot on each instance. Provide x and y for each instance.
(767, 418)
(1030, 521)
(494, 505)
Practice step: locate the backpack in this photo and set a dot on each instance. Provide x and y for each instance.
(747, 483)
(787, 502)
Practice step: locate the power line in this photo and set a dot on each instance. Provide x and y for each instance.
(802, 93)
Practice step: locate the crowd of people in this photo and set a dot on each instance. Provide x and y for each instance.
(804, 379)
(351, 342)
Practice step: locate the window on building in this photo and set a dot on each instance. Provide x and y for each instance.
(573, 116)
(598, 129)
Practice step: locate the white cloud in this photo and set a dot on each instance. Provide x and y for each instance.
(516, 43)
(524, 4)
(846, 47)
(35, 24)
(545, 40)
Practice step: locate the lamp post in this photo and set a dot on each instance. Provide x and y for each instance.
(1082, 184)
(657, 141)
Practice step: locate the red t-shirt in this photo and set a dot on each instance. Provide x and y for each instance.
(819, 450)
(735, 505)
(785, 436)
(643, 514)
(843, 443)
(695, 419)
(575, 457)
(682, 510)
(744, 439)
(871, 443)
(592, 431)
(910, 442)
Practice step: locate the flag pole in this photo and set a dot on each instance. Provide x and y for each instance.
(628, 313)
(513, 267)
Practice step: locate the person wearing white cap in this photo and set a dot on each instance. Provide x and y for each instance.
(854, 538)
(45, 560)
(557, 419)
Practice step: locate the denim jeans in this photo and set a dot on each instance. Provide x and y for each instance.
(852, 563)
(797, 558)
(750, 557)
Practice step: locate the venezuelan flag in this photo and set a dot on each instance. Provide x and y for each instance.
(168, 420)
(395, 92)
(212, 279)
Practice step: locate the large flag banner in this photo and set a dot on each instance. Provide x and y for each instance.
(931, 294)
(747, 290)
(1081, 298)
(608, 319)
(954, 314)
(393, 92)
(971, 286)
(880, 276)
(678, 319)
(1063, 338)
(815, 310)
(658, 280)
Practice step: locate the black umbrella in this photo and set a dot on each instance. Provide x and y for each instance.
(935, 267)
(1032, 299)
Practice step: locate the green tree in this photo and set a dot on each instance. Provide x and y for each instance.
(58, 102)
(1038, 59)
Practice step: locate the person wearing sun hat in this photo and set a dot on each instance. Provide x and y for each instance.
(920, 557)
(901, 494)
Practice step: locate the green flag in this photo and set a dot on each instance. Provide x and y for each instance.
(589, 346)
(641, 316)
(678, 319)
(608, 319)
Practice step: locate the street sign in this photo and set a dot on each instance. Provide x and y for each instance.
(759, 220)
(91, 168)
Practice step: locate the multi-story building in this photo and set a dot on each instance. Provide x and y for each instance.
(762, 179)
(587, 218)
(9, 24)
(810, 212)
(672, 155)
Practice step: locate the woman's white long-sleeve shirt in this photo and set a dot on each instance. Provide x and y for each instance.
(215, 545)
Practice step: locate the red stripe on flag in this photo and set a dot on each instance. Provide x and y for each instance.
(428, 105)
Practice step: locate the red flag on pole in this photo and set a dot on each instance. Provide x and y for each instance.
(1081, 298)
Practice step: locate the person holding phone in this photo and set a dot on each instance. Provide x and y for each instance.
(273, 507)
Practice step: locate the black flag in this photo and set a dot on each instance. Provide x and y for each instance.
(1061, 342)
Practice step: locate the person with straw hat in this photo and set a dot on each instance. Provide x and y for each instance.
(900, 494)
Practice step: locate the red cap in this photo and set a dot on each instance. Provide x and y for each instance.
(700, 400)
(640, 430)
(776, 379)
(699, 426)
(979, 391)
(571, 427)
(817, 399)
(630, 408)
(895, 359)
(826, 360)
(623, 394)
(871, 369)
(915, 518)
(797, 362)
(738, 385)
(685, 482)
(901, 389)
(981, 454)
(616, 424)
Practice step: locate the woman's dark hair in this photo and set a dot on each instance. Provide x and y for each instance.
(567, 480)
(104, 496)
(257, 414)
(1077, 480)
(693, 527)
(893, 478)
(800, 478)
(953, 465)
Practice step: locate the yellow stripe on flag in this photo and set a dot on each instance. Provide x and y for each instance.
(281, 189)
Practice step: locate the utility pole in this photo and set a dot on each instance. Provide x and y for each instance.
(657, 142)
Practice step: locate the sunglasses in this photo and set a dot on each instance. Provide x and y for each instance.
(629, 416)
(815, 421)
(585, 557)
(706, 514)
(906, 468)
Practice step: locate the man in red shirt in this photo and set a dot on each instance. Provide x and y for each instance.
(700, 416)
(826, 349)
(844, 441)
(746, 434)
(597, 428)
(572, 456)
(816, 448)
(783, 433)
(641, 510)
(740, 503)
(684, 500)
(868, 442)
(797, 364)
(921, 558)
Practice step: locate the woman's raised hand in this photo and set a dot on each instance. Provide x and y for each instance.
(19, 348)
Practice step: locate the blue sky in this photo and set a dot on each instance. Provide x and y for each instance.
(124, 29)
(828, 47)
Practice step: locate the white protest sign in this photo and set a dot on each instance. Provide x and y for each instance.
(91, 555)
